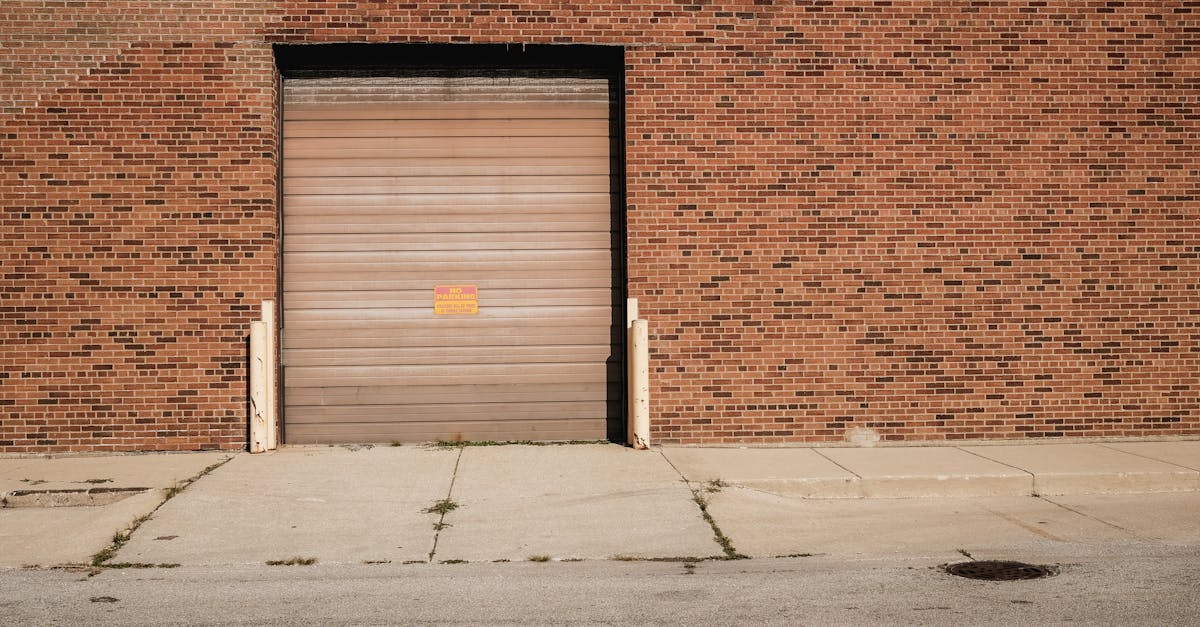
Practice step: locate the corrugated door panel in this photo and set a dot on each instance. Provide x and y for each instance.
(393, 186)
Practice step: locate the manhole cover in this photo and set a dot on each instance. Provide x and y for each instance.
(992, 570)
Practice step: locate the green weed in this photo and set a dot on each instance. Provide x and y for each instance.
(293, 561)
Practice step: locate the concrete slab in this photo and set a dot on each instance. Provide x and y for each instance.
(1183, 453)
(784, 471)
(1168, 517)
(1090, 469)
(767, 525)
(66, 535)
(330, 503)
(151, 470)
(72, 535)
(928, 471)
(576, 501)
(12, 477)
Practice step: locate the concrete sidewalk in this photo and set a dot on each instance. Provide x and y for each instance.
(421, 504)
(417, 504)
(945, 471)
(96, 498)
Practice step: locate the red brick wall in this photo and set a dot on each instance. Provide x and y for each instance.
(928, 220)
(138, 227)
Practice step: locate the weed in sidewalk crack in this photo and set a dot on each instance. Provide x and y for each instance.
(442, 507)
(715, 485)
(719, 536)
(723, 540)
(118, 540)
(539, 558)
(139, 565)
(453, 562)
(701, 500)
(293, 561)
(680, 560)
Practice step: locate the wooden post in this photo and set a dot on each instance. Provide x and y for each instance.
(639, 384)
(270, 408)
(258, 388)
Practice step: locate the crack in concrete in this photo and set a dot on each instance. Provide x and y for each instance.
(1154, 459)
(701, 502)
(1032, 476)
(1095, 518)
(835, 463)
(100, 559)
(441, 523)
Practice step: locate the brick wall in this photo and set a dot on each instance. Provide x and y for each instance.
(923, 221)
(138, 227)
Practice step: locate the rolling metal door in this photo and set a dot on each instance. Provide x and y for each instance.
(397, 188)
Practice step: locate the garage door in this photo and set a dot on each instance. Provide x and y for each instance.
(448, 260)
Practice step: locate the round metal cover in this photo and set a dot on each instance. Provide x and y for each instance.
(996, 570)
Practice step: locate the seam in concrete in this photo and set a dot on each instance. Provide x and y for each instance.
(1154, 459)
(1091, 517)
(100, 559)
(1022, 525)
(722, 540)
(437, 533)
(1032, 477)
(765, 492)
(672, 465)
(857, 476)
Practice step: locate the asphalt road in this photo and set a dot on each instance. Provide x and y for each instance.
(1123, 583)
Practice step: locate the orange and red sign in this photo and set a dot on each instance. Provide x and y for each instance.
(451, 300)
